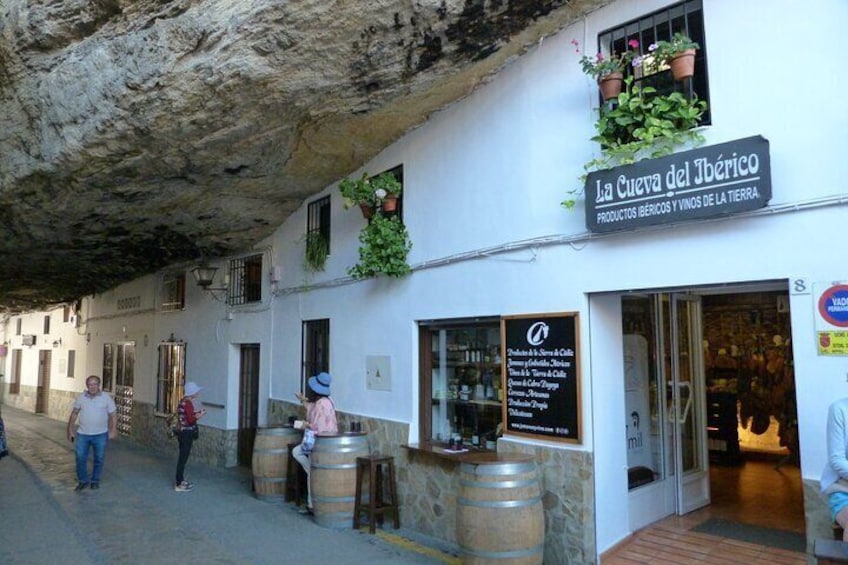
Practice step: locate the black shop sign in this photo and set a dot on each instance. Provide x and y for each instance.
(541, 376)
(719, 180)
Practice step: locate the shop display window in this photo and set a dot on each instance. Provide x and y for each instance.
(461, 383)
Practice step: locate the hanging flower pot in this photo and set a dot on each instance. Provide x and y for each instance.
(367, 210)
(389, 203)
(610, 85)
(683, 65)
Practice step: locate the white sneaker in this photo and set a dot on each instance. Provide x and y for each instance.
(184, 486)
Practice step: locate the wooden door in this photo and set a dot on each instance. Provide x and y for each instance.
(248, 402)
(42, 393)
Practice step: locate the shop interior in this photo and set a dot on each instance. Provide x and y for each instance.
(752, 424)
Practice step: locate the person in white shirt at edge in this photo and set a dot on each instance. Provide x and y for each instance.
(320, 419)
(834, 479)
(98, 423)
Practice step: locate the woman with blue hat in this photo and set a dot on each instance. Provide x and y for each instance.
(320, 419)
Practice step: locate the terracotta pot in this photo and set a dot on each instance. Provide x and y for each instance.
(389, 203)
(367, 210)
(610, 85)
(683, 65)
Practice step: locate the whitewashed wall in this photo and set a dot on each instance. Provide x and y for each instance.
(491, 170)
(489, 173)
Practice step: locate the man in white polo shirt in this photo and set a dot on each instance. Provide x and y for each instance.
(97, 424)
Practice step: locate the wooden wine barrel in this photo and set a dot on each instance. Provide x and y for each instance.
(333, 477)
(270, 460)
(499, 513)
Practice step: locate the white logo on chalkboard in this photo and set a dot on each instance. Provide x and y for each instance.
(537, 333)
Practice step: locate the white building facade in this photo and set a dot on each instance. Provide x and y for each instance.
(652, 306)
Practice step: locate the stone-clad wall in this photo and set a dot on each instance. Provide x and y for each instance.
(428, 486)
(568, 496)
(816, 514)
(214, 447)
(25, 399)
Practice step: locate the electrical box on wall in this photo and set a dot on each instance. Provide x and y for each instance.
(378, 372)
(28, 339)
(276, 274)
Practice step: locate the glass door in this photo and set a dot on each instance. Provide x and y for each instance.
(689, 402)
(665, 406)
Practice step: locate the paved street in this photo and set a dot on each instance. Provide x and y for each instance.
(136, 517)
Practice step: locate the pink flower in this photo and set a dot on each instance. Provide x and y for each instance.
(633, 44)
(599, 57)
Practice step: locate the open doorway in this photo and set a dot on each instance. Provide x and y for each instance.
(710, 406)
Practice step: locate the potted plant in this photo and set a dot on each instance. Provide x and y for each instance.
(386, 190)
(643, 125)
(385, 245)
(317, 250)
(678, 54)
(608, 71)
(359, 192)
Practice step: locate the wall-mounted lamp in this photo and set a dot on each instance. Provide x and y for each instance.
(57, 343)
(205, 275)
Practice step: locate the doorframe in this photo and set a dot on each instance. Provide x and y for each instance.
(606, 369)
(248, 400)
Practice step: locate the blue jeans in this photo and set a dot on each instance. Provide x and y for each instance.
(84, 442)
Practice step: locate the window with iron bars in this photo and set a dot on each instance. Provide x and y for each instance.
(173, 292)
(685, 17)
(318, 226)
(316, 349)
(245, 285)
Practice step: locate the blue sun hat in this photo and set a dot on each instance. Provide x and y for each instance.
(320, 383)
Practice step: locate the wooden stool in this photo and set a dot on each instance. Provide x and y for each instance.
(295, 478)
(830, 552)
(377, 504)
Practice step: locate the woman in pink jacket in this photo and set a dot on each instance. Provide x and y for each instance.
(320, 419)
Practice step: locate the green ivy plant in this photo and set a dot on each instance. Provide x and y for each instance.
(643, 125)
(369, 191)
(385, 246)
(386, 184)
(357, 191)
(317, 250)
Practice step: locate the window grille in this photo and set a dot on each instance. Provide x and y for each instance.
(245, 280)
(685, 17)
(169, 388)
(318, 218)
(316, 348)
(173, 292)
(46, 325)
(72, 359)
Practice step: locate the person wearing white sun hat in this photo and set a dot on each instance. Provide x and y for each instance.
(320, 419)
(189, 432)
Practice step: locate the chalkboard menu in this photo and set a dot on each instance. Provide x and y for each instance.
(541, 375)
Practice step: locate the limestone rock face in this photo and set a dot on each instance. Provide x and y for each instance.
(138, 133)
